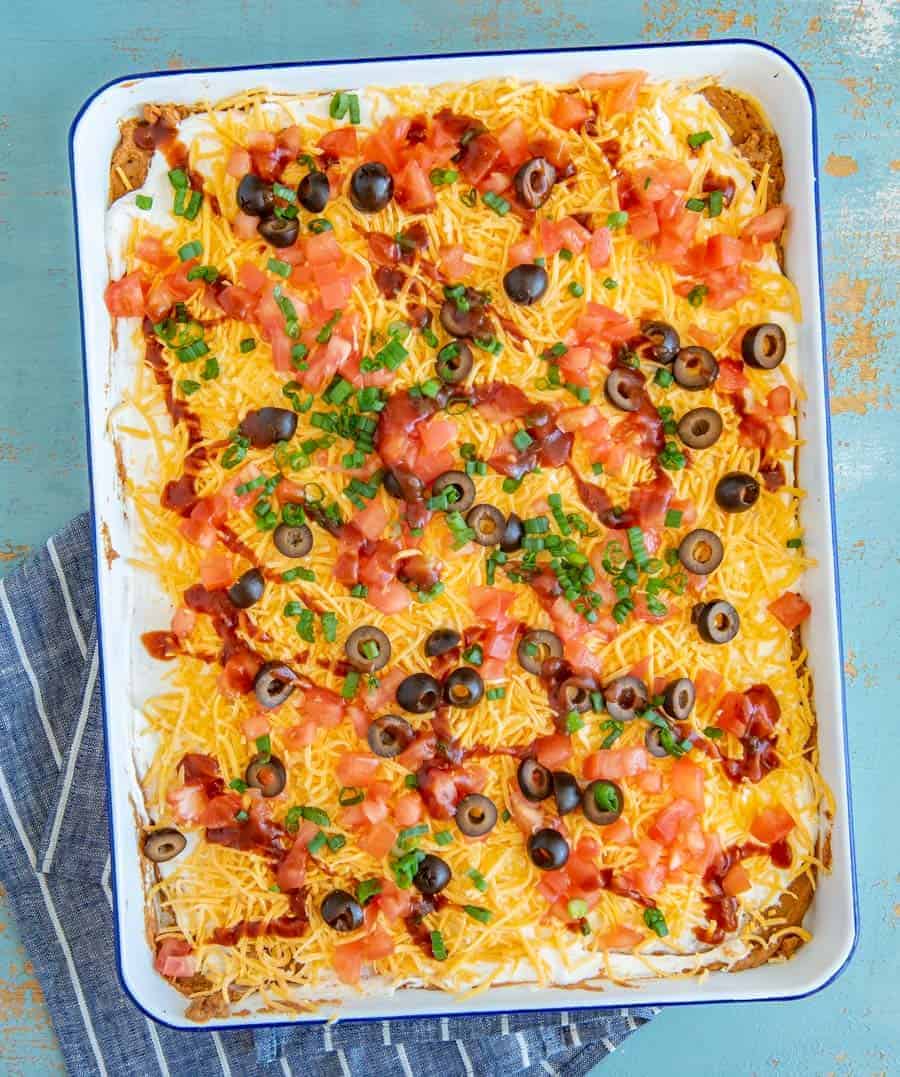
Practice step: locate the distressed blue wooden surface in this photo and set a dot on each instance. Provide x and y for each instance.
(53, 55)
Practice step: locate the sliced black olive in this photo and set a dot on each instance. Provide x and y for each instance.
(575, 694)
(476, 815)
(454, 362)
(278, 231)
(664, 341)
(471, 322)
(488, 523)
(247, 589)
(367, 648)
(255, 197)
(625, 696)
(164, 844)
(463, 687)
(653, 742)
(461, 483)
(389, 735)
(274, 683)
(266, 773)
(371, 187)
(535, 780)
(737, 491)
(624, 388)
(265, 426)
(292, 541)
(432, 876)
(419, 693)
(764, 346)
(701, 551)
(314, 191)
(534, 182)
(392, 485)
(718, 621)
(678, 698)
(548, 849)
(602, 802)
(700, 428)
(341, 911)
(440, 641)
(695, 367)
(535, 647)
(525, 284)
(566, 792)
(513, 534)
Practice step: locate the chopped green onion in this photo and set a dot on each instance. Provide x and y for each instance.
(655, 920)
(443, 837)
(565, 254)
(411, 833)
(354, 108)
(368, 888)
(247, 344)
(663, 377)
(574, 722)
(577, 908)
(469, 198)
(495, 693)
(411, 781)
(315, 815)
(477, 913)
(695, 205)
(672, 458)
(505, 816)
(210, 369)
(617, 220)
(316, 842)
(336, 841)
(275, 265)
(193, 206)
(522, 439)
(673, 517)
(478, 880)
(359, 590)
(474, 655)
(189, 387)
(494, 201)
(609, 284)
(144, 201)
(441, 177)
(337, 109)
(241, 816)
(795, 543)
(696, 140)
(238, 785)
(715, 203)
(576, 289)
(350, 795)
(318, 225)
(696, 295)
(324, 334)
(178, 178)
(350, 685)
(713, 732)
(636, 542)
(438, 949)
(190, 250)
(298, 574)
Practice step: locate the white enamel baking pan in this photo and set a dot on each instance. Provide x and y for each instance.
(125, 607)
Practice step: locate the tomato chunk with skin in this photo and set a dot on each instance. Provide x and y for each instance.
(791, 609)
(772, 824)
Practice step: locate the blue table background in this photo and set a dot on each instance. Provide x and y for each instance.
(52, 56)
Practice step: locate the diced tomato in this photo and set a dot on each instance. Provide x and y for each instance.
(340, 143)
(198, 533)
(216, 571)
(619, 832)
(237, 302)
(479, 158)
(150, 249)
(347, 961)
(374, 811)
(553, 884)
(244, 225)
(733, 713)
(791, 609)
(393, 902)
(569, 112)
(357, 768)
(767, 226)
(125, 297)
(390, 598)
(298, 736)
(436, 434)
(187, 802)
(772, 824)
(413, 188)
(649, 880)
(453, 261)
(239, 163)
(650, 851)
(513, 140)
(490, 603)
(668, 821)
(371, 520)
(722, 251)
(221, 810)
(686, 780)
(642, 222)
(737, 881)
(625, 85)
(378, 841)
(409, 809)
(650, 781)
(521, 253)
(334, 284)
(183, 621)
(252, 277)
(708, 683)
(566, 233)
(779, 401)
(620, 938)
(256, 725)
(238, 674)
(175, 958)
(377, 945)
(600, 248)
(577, 418)
(553, 750)
(615, 763)
(732, 378)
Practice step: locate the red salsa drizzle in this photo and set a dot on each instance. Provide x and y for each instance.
(285, 927)
(722, 908)
(758, 742)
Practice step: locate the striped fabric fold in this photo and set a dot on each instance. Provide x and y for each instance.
(54, 862)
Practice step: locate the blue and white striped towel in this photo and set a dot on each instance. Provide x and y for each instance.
(54, 862)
